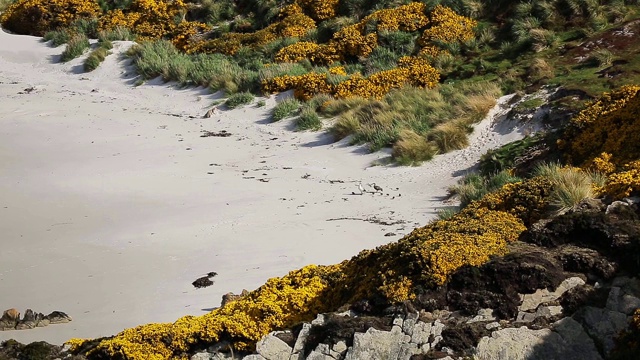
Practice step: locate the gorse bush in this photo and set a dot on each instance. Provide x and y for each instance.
(76, 46)
(36, 17)
(469, 237)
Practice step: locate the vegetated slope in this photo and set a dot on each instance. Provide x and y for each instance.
(336, 53)
(307, 47)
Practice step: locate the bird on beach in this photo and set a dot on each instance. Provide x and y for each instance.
(376, 187)
(360, 188)
(204, 281)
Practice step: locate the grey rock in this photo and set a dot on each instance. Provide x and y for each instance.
(532, 301)
(525, 317)
(201, 356)
(316, 355)
(397, 321)
(9, 319)
(569, 343)
(349, 313)
(376, 344)
(624, 295)
(616, 205)
(632, 200)
(254, 357)
(548, 311)
(602, 324)
(410, 322)
(58, 317)
(32, 320)
(319, 320)
(408, 350)
(298, 347)
(272, 348)
(340, 347)
(483, 315)
(421, 333)
(492, 326)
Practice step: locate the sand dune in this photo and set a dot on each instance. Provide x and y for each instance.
(111, 202)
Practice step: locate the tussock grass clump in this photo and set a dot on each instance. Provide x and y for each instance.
(118, 33)
(475, 186)
(285, 108)
(308, 119)
(76, 46)
(450, 136)
(570, 185)
(57, 37)
(239, 99)
(441, 117)
(217, 71)
(94, 59)
(412, 149)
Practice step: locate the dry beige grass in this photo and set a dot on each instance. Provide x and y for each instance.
(412, 149)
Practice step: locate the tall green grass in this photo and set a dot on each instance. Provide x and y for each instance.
(474, 186)
(97, 56)
(76, 46)
(287, 107)
(433, 121)
(570, 185)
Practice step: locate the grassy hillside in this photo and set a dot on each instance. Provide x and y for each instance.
(354, 59)
(408, 75)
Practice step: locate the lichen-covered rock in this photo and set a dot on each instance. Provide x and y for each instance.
(568, 342)
(376, 344)
(602, 324)
(272, 348)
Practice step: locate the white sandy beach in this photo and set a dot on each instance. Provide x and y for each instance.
(111, 203)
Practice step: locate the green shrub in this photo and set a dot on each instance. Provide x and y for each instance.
(118, 33)
(308, 120)
(261, 103)
(94, 59)
(76, 46)
(285, 108)
(474, 186)
(239, 99)
(89, 27)
(57, 37)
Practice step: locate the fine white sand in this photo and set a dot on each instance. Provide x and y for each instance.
(111, 203)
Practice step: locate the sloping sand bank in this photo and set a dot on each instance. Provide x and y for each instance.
(111, 202)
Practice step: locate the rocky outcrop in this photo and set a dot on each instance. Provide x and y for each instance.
(10, 319)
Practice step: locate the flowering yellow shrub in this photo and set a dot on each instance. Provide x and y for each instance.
(351, 41)
(184, 34)
(149, 19)
(35, 17)
(625, 182)
(292, 22)
(298, 51)
(528, 199)
(426, 257)
(447, 26)
(410, 17)
(413, 71)
(609, 124)
(279, 303)
(320, 9)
